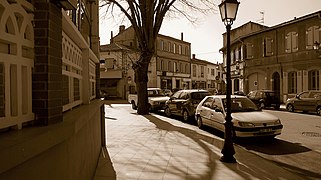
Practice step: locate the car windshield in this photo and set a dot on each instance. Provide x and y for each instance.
(199, 95)
(241, 105)
(155, 93)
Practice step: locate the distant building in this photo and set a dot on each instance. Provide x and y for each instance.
(199, 73)
(168, 69)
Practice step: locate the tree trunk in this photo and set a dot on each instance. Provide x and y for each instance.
(141, 79)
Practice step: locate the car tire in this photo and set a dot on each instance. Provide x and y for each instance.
(199, 122)
(168, 112)
(150, 109)
(186, 116)
(319, 110)
(290, 108)
(134, 106)
(261, 105)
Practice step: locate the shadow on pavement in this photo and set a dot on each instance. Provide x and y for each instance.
(247, 166)
(268, 146)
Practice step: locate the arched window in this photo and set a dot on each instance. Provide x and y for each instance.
(292, 82)
(313, 77)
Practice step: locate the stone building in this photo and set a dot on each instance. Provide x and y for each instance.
(168, 69)
(282, 57)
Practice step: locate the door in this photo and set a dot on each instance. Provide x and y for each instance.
(217, 115)
(276, 84)
(205, 111)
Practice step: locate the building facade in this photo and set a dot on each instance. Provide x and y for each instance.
(169, 68)
(282, 57)
(49, 67)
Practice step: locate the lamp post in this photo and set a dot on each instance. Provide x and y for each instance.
(228, 10)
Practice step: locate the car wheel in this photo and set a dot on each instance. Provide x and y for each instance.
(290, 108)
(319, 110)
(168, 112)
(199, 122)
(134, 106)
(185, 116)
(261, 105)
(150, 109)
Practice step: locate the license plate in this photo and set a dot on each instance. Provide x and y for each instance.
(266, 130)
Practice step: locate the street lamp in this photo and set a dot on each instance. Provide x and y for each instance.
(228, 10)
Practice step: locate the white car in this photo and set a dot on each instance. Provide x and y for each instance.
(248, 120)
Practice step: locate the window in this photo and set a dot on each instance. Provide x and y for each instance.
(174, 48)
(236, 84)
(162, 65)
(202, 71)
(170, 68)
(291, 42)
(179, 49)
(162, 45)
(248, 51)
(169, 47)
(194, 70)
(186, 68)
(313, 77)
(267, 47)
(186, 51)
(312, 35)
(292, 82)
(175, 67)
(212, 72)
(2, 89)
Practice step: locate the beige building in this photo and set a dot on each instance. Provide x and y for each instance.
(199, 73)
(282, 57)
(168, 69)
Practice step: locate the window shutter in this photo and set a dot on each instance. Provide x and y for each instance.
(288, 43)
(269, 47)
(309, 38)
(316, 33)
(294, 42)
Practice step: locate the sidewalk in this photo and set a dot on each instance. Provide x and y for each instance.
(156, 147)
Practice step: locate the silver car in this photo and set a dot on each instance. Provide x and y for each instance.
(305, 101)
(248, 120)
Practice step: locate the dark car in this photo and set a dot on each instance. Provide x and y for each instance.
(184, 102)
(305, 101)
(265, 98)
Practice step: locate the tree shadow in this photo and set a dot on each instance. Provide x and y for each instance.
(243, 168)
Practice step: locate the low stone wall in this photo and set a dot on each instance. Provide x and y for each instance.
(64, 151)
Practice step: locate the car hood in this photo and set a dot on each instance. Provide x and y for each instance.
(256, 116)
(161, 98)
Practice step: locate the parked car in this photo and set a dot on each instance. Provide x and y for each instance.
(265, 98)
(248, 120)
(156, 99)
(183, 103)
(305, 101)
(167, 92)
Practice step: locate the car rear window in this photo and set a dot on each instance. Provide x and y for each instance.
(199, 95)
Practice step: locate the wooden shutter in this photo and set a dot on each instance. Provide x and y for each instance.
(295, 41)
(288, 43)
(309, 38)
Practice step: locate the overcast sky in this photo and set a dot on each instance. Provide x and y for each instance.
(206, 37)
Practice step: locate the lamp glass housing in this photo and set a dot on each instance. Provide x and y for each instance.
(228, 11)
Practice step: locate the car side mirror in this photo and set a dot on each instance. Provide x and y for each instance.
(218, 109)
(297, 96)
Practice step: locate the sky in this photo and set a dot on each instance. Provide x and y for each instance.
(206, 37)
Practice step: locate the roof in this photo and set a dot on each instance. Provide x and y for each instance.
(114, 47)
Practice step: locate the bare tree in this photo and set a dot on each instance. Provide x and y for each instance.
(146, 17)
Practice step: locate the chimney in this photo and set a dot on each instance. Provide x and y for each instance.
(121, 28)
(111, 37)
(182, 36)
(193, 56)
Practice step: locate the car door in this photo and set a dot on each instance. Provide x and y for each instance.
(217, 114)
(206, 111)
(171, 103)
(300, 102)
